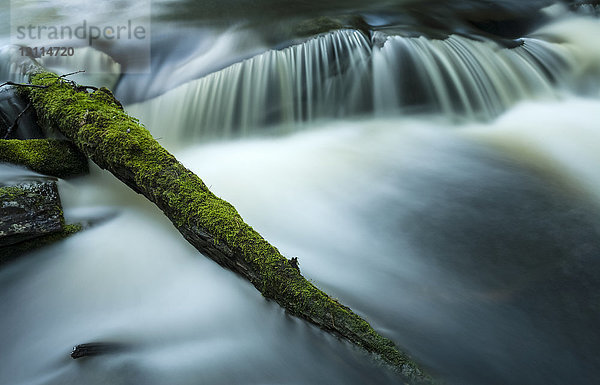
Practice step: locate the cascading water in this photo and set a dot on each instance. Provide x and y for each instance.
(325, 77)
(337, 75)
(463, 77)
(14, 66)
(444, 188)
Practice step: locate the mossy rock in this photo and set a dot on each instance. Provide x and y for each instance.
(28, 211)
(12, 252)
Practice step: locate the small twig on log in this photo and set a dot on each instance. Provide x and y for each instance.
(68, 74)
(16, 122)
(73, 83)
(71, 73)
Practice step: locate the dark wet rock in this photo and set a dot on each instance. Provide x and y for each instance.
(315, 26)
(31, 217)
(11, 105)
(318, 25)
(12, 252)
(28, 211)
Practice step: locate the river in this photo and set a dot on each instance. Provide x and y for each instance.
(444, 189)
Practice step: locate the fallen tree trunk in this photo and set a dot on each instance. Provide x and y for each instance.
(100, 128)
(59, 158)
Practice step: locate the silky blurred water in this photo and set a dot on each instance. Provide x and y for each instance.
(445, 241)
(471, 244)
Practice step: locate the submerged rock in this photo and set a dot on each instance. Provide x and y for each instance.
(95, 349)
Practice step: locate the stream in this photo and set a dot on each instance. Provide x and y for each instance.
(447, 190)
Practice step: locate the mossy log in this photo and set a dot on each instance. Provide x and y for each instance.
(100, 128)
(59, 158)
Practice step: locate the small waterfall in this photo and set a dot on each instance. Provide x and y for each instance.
(574, 34)
(460, 76)
(14, 66)
(339, 75)
(326, 76)
(100, 69)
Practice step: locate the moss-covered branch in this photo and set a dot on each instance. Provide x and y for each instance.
(53, 157)
(99, 127)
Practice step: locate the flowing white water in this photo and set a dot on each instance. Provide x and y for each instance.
(552, 141)
(335, 75)
(405, 220)
(574, 34)
(14, 66)
(462, 77)
(323, 77)
(474, 246)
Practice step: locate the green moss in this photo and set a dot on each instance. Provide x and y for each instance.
(58, 158)
(9, 193)
(115, 141)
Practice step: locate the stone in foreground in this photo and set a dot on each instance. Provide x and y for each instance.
(29, 211)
